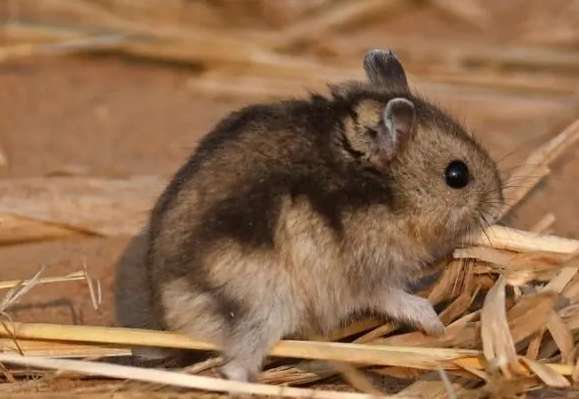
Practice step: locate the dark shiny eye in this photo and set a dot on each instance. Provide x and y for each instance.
(456, 174)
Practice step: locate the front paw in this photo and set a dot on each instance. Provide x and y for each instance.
(432, 326)
(427, 320)
(413, 310)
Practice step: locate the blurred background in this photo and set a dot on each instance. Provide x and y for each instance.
(101, 100)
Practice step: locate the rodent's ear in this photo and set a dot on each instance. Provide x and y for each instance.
(383, 69)
(399, 125)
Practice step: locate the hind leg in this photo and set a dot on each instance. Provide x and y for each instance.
(247, 346)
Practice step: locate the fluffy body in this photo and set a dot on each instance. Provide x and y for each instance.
(286, 221)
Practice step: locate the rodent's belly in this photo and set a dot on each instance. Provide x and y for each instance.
(335, 280)
(326, 295)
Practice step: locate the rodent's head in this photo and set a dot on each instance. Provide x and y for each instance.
(442, 180)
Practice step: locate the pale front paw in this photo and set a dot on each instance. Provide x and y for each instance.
(428, 320)
(433, 326)
(413, 310)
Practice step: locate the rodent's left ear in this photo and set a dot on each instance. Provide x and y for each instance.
(383, 69)
(399, 125)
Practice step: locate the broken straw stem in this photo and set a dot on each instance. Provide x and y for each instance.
(401, 356)
(501, 237)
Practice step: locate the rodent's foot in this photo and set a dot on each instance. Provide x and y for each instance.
(414, 310)
(431, 324)
(236, 372)
(424, 315)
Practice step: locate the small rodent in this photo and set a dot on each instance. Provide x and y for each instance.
(292, 217)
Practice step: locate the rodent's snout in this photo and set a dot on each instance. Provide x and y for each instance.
(492, 204)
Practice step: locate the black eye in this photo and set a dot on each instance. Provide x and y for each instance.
(456, 174)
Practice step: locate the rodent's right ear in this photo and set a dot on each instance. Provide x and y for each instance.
(383, 69)
(400, 124)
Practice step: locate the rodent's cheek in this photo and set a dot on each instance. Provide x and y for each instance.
(491, 207)
(462, 214)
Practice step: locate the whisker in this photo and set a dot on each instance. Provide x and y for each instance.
(484, 227)
(516, 185)
(525, 176)
(520, 165)
(504, 157)
(530, 143)
(521, 178)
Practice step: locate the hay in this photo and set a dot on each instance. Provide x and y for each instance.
(506, 329)
(176, 379)
(492, 339)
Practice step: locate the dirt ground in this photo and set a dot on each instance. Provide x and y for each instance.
(112, 116)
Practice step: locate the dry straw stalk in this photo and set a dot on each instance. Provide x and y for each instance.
(76, 276)
(501, 237)
(404, 356)
(177, 379)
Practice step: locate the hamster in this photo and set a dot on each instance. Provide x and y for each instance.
(292, 217)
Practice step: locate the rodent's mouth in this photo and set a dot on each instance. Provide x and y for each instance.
(465, 232)
(493, 216)
(491, 208)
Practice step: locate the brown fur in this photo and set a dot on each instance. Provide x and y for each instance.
(293, 217)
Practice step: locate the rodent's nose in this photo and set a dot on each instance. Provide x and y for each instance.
(494, 214)
(492, 205)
